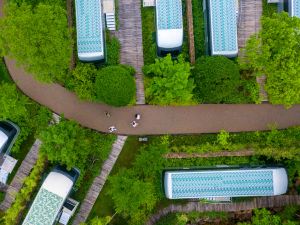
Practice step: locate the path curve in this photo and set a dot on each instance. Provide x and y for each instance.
(155, 119)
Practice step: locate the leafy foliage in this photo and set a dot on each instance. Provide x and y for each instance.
(218, 80)
(73, 146)
(29, 116)
(113, 50)
(275, 53)
(198, 20)
(38, 38)
(115, 86)
(12, 215)
(264, 217)
(82, 80)
(170, 83)
(99, 221)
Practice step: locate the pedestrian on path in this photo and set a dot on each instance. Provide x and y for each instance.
(107, 114)
(137, 116)
(112, 129)
(134, 123)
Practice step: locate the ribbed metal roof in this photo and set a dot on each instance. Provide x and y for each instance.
(169, 14)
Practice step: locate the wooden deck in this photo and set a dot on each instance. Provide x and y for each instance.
(99, 181)
(250, 12)
(262, 202)
(20, 176)
(130, 36)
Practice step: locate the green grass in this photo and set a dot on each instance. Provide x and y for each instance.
(199, 26)
(4, 75)
(104, 205)
(148, 29)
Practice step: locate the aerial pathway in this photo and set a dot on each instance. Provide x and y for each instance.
(154, 119)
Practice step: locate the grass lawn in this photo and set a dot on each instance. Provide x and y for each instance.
(4, 75)
(104, 204)
(148, 29)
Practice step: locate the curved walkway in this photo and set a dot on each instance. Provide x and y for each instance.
(263, 202)
(155, 119)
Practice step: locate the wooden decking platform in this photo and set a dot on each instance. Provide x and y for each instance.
(262, 92)
(262, 202)
(250, 12)
(130, 36)
(20, 176)
(99, 181)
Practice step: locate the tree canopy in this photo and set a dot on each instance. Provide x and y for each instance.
(115, 85)
(38, 38)
(170, 82)
(275, 53)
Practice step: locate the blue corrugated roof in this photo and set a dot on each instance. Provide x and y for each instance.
(169, 14)
(296, 8)
(89, 26)
(223, 24)
(222, 184)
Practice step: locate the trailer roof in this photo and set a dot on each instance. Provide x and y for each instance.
(295, 8)
(169, 14)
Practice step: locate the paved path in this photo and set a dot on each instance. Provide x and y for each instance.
(22, 173)
(130, 36)
(263, 202)
(99, 181)
(155, 119)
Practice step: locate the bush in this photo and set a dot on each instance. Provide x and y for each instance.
(218, 80)
(81, 80)
(170, 82)
(115, 86)
(198, 20)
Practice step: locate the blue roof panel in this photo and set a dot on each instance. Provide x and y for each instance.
(169, 14)
(222, 184)
(223, 26)
(89, 26)
(295, 8)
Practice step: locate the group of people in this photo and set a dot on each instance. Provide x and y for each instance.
(134, 123)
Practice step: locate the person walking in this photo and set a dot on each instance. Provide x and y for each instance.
(107, 114)
(137, 116)
(112, 129)
(134, 123)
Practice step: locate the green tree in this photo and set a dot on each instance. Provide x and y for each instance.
(133, 198)
(13, 103)
(38, 38)
(274, 52)
(218, 80)
(223, 139)
(170, 82)
(82, 81)
(115, 86)
(99, 221)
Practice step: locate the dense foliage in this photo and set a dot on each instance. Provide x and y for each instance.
(99, 221)
(29, 116)
(113, 50)
(81, 81)
(199, 26)
(13, 214)
(170, 82)
(38, 38)
(70, 145)
(218, 80)
(115, 86)
(148, 30)
(275, 53)
(264, 217)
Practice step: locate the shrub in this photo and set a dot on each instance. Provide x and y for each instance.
(198, 20)
(170, 82)
(218, 80)
(82, 80)
(115, 86)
